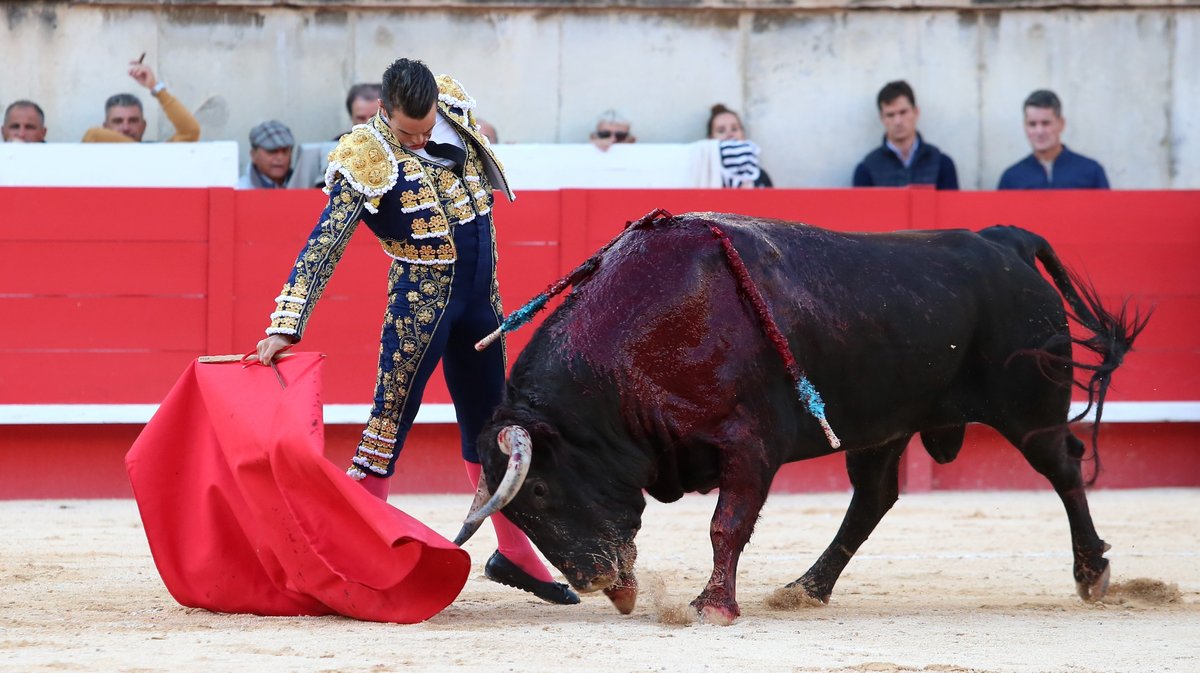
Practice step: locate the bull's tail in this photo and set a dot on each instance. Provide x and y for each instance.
(1111, 333)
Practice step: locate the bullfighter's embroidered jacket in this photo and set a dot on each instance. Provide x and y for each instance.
(410, 203)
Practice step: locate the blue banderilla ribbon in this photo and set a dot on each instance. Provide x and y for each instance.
(816, 406)
(515, 319)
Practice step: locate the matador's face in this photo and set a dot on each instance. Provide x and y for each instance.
(412, 133)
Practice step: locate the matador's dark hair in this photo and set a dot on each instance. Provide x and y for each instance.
(408, 86)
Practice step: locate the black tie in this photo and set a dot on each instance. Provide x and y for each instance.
(448, 151)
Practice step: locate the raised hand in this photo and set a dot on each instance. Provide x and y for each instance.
(143, 74)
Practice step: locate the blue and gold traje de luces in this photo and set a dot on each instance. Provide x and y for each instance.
(413, 206)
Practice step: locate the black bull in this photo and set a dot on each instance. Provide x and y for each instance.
(656, 374)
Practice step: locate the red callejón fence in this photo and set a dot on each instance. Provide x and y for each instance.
(107, 294)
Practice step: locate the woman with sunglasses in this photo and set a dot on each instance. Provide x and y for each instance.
(611, 128)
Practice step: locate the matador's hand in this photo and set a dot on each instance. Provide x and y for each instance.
(271, 346)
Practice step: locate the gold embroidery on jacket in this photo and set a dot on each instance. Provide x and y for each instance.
(413, 170)
(443, 253)
(436, 225)
(421, 199)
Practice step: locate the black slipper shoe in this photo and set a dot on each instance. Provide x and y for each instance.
(499, 569)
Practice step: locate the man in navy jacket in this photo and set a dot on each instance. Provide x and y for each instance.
(904, 157)
(1052, 165)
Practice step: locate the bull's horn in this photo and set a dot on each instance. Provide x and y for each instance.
(514, 441)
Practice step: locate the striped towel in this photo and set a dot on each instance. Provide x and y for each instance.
(739, 162)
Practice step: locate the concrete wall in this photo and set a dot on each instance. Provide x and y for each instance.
(804, 77)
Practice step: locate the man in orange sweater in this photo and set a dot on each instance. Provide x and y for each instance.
(124, 121)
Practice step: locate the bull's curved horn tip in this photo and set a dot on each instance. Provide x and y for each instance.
(514, 441)
(466, 532)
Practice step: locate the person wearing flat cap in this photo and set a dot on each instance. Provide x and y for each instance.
(270, 166)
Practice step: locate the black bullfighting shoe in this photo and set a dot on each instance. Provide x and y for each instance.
(499, 569)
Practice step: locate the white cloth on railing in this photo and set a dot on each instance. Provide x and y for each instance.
(206, 164)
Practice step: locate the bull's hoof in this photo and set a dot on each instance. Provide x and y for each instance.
(1097, 589)
(719, 616)
(804, 593)
(716, 608)
(794, 597)
(623, 598)
(499, 569)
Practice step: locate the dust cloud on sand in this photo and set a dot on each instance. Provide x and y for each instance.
(949, 582)
(1144, 592)
(673, 610)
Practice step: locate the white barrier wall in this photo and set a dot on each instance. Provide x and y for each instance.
(804, 73)
(204, 164)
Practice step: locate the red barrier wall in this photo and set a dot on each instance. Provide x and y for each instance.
(108, 293)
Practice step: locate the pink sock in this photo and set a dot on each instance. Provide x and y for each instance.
(511, 541)
(376, 486)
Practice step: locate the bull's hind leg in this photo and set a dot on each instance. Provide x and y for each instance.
(875, 476)
(1057, 455)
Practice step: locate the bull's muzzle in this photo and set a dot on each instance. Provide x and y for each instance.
(514, 441)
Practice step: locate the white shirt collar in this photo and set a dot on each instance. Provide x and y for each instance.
(443, 132)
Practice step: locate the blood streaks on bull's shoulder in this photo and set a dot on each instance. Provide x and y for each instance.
(634, 300)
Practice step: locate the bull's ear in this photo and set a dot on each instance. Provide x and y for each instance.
(548, 442)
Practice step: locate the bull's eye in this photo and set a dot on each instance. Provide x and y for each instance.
(540, 489)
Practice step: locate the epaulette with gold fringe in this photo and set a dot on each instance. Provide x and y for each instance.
(365, 160)
(452, 93)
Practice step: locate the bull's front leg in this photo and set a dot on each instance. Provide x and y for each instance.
(743, 491)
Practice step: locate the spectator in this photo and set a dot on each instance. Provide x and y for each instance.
(362, 102)
(270, 166)
(611, 128)
(487, 131)
(124, 121)
(24, 122)
(1052, 165)
(739, 157)
(904, 158)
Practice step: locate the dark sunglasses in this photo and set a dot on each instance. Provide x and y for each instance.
(620, 135)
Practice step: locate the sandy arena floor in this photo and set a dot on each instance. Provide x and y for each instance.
(952, 582)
